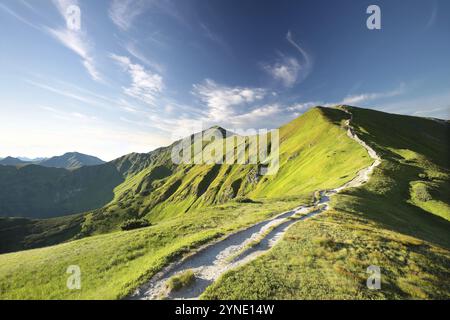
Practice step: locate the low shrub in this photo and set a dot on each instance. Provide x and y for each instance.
(135, 224)
(244, 200)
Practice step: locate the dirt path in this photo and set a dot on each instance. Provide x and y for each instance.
(241, 247)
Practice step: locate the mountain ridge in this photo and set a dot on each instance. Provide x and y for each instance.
(12, 161)
(69, 160)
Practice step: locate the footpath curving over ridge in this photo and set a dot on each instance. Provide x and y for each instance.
(214, 259)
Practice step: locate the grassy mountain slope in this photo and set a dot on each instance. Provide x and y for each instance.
(188, 205)
(389, 222)
(315, 153)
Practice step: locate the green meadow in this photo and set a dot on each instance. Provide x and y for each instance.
(114, 264)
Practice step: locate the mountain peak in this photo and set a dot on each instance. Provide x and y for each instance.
(217, 127)
(223, 131)
(72, 160)
(11, 161)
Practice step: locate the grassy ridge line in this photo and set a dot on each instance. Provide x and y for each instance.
(315, 153)
(376, 224)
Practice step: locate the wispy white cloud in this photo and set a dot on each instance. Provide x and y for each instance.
(308, 61)
(66, 93)
(432, 105)
(75, 40)
(290, 70)
(222, 101)
(124, 12)
(433, 15)
(135, 52)
(434, 111)
(214, 37)
(69, 115)
(28, 5)
(276, 114)
(285, 70)
(127, 106)
(265, 116)
(157, 38)
(62, 5)
(298, 108)
(359, 99)
(145, 85)
(86, 97)
(19, 17)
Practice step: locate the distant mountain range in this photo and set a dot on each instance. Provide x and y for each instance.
(10, 161)
(26, 159)
(70, 160)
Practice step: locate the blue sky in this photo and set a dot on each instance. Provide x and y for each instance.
(140, 73)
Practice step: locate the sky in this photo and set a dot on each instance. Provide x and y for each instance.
(134, 75)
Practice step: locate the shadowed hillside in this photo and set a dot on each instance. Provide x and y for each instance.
(37, 192)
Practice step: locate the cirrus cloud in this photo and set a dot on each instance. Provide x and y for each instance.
(145, 85)
(223, 101)
(123, 12)
(286, 71)
(75, 40)
(358, 99)
(291, 70)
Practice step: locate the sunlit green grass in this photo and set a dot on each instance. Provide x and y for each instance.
(180, 281)
(398, 221)
(115, 263)
(327, 258)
